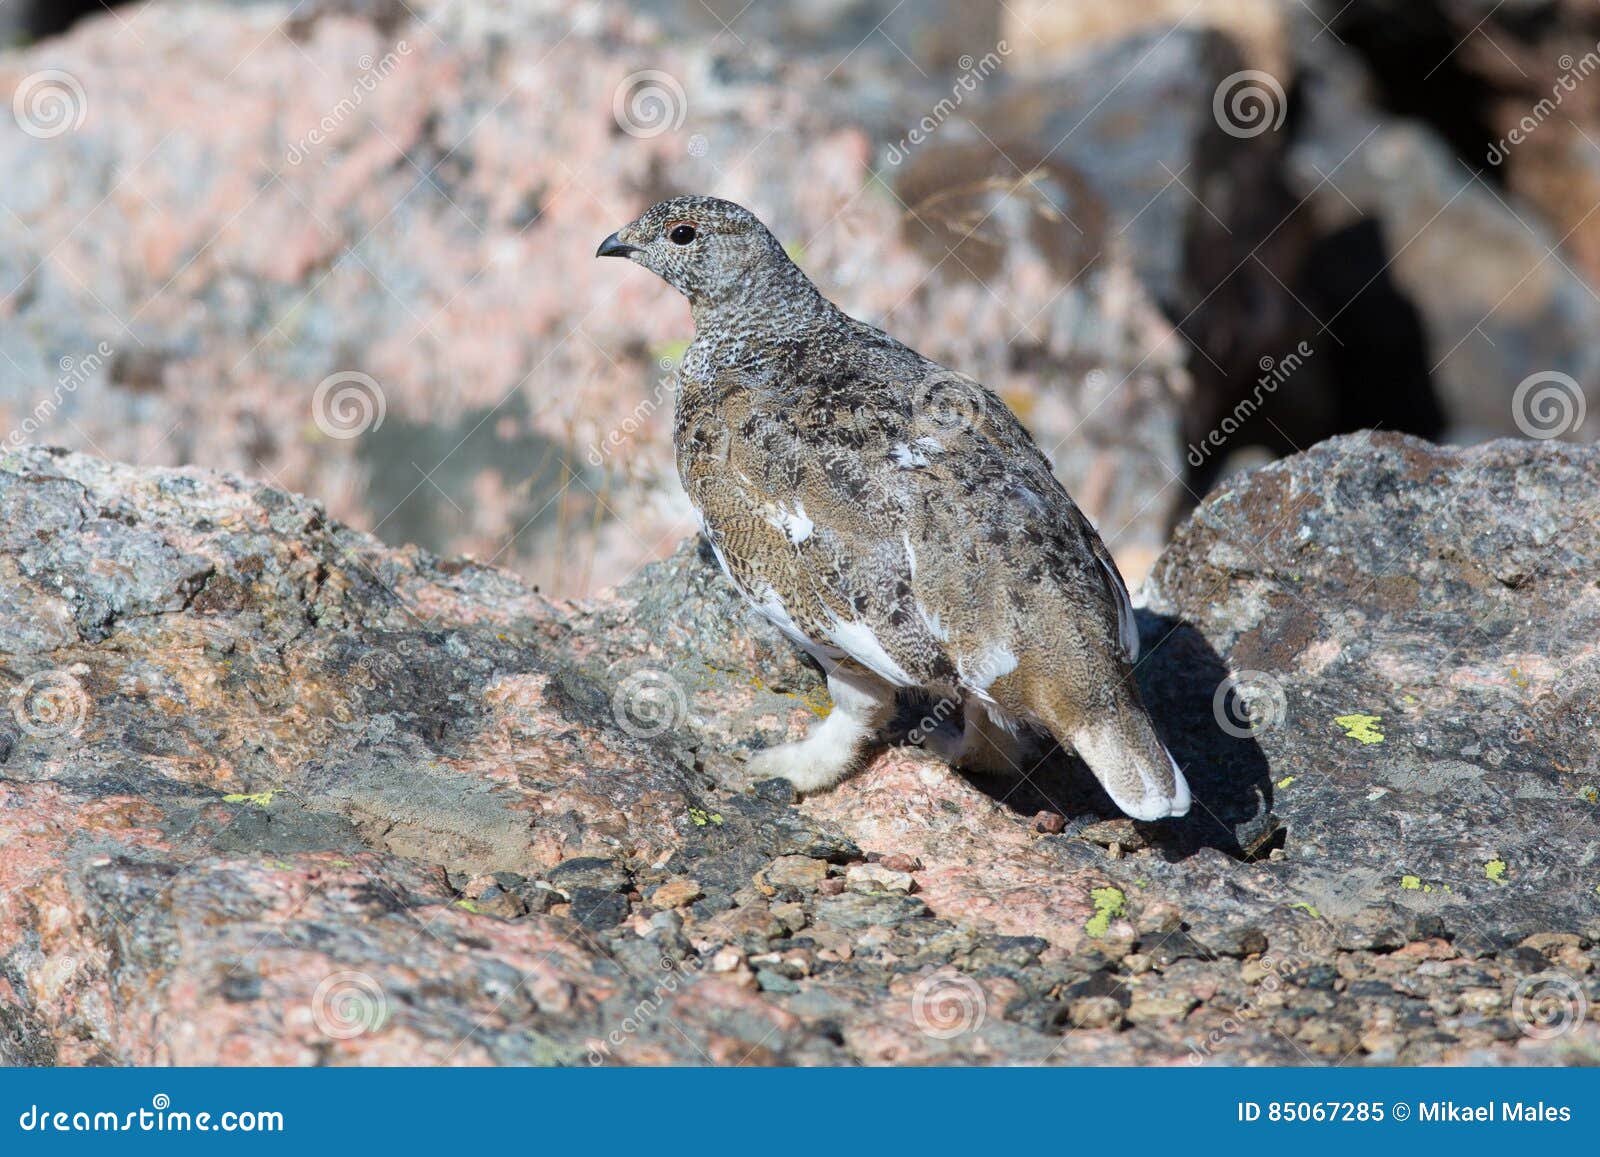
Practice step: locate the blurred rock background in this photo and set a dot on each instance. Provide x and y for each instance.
(347, 245)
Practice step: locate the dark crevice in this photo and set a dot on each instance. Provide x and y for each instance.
(1415, 51)
(38, 19)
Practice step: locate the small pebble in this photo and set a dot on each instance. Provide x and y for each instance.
(800, 872)
(675, 893)
(667, 922)
(1049, 823)
(496, 901)
(771, 981)
(1148, 1008)
(1096, 1012)
(870, 878)
(793, 917)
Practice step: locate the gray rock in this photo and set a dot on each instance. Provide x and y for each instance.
(238, 813)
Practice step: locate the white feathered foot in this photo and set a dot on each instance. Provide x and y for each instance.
(837, 745)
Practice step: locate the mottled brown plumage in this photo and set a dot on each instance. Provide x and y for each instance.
(893, 518)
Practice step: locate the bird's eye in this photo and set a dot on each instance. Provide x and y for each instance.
(681, 234)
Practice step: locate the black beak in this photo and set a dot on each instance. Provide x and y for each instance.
(612, 246)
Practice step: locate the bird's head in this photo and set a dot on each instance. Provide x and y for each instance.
(712, 251)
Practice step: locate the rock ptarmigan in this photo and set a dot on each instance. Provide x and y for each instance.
(894, 519)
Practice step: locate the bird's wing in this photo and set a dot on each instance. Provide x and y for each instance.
(1127, 624)
(812, 525)
(841, 588)
(997, 427)
(894, 530)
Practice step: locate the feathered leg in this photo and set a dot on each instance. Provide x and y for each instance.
(862, 703)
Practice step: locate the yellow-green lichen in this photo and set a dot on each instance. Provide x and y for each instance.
(469, 906)
(259, 798)
(816, 700)
(1109, 904)
(700, 817)
(671, 351)
(1310, 909)
(1361, 728)
(1495, 870)
(1411, 883)
(1285, 782)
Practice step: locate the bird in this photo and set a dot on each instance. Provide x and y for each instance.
(893, 519)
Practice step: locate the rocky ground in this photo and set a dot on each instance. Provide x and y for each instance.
(273, 792)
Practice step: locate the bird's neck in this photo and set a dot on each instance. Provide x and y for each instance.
(769, 303)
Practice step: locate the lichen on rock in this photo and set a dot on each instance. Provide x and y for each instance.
(272, 792)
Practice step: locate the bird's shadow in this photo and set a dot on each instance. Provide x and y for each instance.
(1179, 675)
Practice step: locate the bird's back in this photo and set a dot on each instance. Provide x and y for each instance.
(848, 477)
